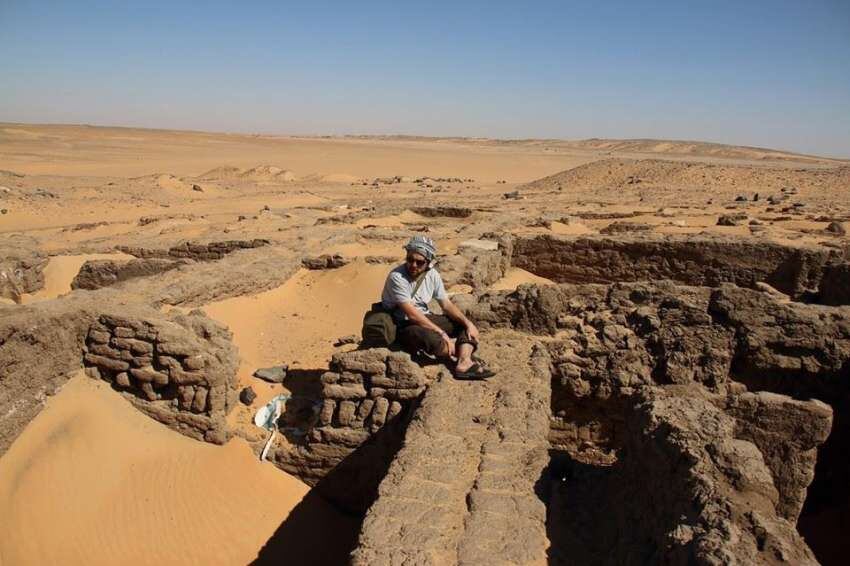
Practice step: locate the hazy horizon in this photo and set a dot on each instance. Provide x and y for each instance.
(765, 74)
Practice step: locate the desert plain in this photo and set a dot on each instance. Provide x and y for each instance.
(151, 273)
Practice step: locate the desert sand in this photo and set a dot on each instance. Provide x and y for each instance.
(120, 487)
(91, 472)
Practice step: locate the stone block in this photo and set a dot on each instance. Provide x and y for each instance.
(149, 375)
(137, 346)
(195, 362)
(98, 336)
(185, 395)
(123, 379)
(124, 332)
(142, 361)
(147, 389)
(199, 403)
(346, 412)
(403, 394)
(350, 377)
(108, 363)
(379, 412)
(363, 410)
(352, 391)
(329, 377)
(169, 362)
(352, 437)
(327, 413)
(186, 377)
(395, 410)
(216, 399)
(105, 350)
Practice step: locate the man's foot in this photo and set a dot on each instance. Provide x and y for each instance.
(474, 371)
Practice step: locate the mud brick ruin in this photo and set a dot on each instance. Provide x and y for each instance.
(677, 399)
(180, 371)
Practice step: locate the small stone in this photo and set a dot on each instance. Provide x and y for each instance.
(731, 219)
(274, 374)
(349, 339)
(247, 396)
(837, 228)
(198, 188)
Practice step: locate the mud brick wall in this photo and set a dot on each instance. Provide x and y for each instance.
(180, 370)
(366, 397)
(686, 259)
(98, 273)
(195, 251)
(687, 490)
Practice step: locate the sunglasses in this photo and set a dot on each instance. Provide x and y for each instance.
(416, 262)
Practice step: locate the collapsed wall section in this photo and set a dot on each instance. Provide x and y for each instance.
(180, 370)
(195, 250)
(614, 347)
(691, 260)
(367, 398)
(685, 490)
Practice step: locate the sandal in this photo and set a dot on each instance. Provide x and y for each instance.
(475, 372)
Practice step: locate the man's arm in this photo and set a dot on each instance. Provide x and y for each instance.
(417, 317)
(451, 311)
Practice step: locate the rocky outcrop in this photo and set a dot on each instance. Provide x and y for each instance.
(180, 370)
(690, 260)
(98, 273)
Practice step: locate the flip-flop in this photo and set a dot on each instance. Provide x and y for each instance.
(474, 372)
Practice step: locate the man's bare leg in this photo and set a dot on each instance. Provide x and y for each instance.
(464, 356)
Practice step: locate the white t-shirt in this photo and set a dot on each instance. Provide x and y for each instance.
(399, 289)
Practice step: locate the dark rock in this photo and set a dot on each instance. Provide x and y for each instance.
(731, 219)
(837, 228)
(247, 396)
(350, 339)
(324, 261)
(274, 374)
(198, 188)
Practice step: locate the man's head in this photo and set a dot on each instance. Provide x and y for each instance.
(420, 252)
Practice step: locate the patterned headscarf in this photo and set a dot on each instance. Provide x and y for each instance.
(422, 245)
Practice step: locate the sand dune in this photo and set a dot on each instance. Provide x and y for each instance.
(93, 481)
(300, 320)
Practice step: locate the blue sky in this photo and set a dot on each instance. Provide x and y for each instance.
(765, 73)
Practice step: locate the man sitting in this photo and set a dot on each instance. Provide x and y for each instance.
(408, 290)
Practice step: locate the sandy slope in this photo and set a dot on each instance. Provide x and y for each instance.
(298, 322)
(93, 481)
(60, 271)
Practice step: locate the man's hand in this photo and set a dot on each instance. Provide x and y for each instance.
(448, 343)
(472, 331)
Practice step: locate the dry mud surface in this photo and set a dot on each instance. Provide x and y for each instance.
(670, 322)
